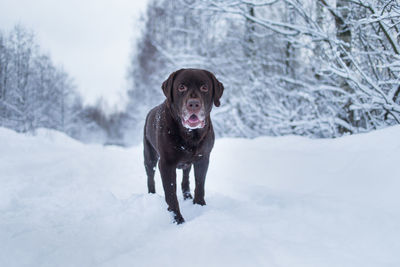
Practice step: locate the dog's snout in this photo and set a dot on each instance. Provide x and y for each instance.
(193, 104)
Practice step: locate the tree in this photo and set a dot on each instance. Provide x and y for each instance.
(33, 92)
(301, 67)
(338, 89)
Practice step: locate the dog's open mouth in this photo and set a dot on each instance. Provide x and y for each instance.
(193, 122)
(193, 119)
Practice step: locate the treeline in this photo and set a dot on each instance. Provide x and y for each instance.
(34, 93)
(314, 68)
(319, 68)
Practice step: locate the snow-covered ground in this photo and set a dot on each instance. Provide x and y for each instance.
(286, 201)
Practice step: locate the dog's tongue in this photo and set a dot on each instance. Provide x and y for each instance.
(193, 119)
(193, 122)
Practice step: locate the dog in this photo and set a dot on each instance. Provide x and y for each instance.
(179, 133)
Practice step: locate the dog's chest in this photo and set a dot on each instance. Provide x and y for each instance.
(187, 147)
(189, 154)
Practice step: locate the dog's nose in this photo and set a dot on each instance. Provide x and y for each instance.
(193, 105)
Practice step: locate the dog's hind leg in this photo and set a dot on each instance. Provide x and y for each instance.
(185, 183)
(150, 162)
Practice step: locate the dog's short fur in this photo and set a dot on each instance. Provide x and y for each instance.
(179, 133)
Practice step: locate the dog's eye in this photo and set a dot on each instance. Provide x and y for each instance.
(182, 88)
(204, 88)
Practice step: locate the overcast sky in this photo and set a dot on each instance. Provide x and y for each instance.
(91, 39)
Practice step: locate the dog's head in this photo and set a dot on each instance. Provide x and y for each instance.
(190, 95)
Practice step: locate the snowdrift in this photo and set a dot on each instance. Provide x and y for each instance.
(286, 201)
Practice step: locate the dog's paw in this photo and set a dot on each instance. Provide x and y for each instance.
(187, 195)
(199, 202)
(178, 219)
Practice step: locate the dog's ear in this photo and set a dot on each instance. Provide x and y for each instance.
(168, 83)
(218, 88)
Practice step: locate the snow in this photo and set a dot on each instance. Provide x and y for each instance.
(283, 201)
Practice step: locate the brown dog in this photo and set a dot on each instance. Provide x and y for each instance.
(179, 133)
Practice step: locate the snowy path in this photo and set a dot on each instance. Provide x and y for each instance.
(285, 201)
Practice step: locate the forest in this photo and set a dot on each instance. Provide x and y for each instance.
(320, 69)
(35, 93)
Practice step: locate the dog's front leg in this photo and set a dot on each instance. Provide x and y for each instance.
(200, 171)
(168, 177)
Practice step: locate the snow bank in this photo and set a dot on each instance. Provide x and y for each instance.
(286, 201)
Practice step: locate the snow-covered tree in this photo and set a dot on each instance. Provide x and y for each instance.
(315, 68)
(33, 92)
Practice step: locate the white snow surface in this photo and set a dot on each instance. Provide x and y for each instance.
(286, 201)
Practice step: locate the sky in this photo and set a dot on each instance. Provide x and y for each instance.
(92, 40)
